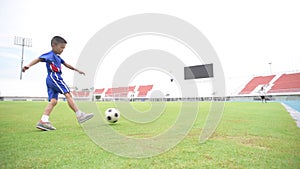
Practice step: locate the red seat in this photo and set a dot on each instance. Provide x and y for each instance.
(143, 90)
(254, 82)
(286, 83)
(99, 91)
(119, 91)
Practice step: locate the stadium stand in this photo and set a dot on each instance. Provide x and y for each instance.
(255, 82)
(119, 91)
(131, 88)
(286, 83)
(279, 84)
(81, 94)
(143, 90)
(99, 91)
(124, 91)
(109, 92)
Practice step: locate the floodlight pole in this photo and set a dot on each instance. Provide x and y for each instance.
(22, 42)
(270, 63)
(22, 59)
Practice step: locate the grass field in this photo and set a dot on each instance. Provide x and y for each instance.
(250, 135)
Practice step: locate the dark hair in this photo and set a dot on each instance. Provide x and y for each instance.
(57, 39)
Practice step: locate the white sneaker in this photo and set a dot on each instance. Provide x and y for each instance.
(84, 117)
(46, 126)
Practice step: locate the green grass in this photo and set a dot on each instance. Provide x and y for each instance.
(250, 135)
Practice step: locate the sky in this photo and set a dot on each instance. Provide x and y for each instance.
(247, 35)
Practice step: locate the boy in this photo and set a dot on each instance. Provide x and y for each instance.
(55, 83)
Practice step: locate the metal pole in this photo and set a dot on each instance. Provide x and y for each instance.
(22, 42)
(22, 59)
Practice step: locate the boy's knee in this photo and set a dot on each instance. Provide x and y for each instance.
(53, 102)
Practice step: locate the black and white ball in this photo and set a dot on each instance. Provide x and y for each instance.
(112, 115)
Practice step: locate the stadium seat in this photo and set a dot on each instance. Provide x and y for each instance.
(254, 82)
(99, 91)
(286, 83)
(119, 91)
(143, 90)
(81, 94)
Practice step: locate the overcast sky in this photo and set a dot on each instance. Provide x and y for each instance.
(247, 35)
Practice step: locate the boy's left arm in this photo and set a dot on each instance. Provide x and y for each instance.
(73, 68)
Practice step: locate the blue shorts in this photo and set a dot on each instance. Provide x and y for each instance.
(56, 85)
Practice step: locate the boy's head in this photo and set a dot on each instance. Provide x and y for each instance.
(58, 44)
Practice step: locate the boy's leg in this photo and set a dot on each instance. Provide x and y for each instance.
(50, 106)
(81, 116)
(44, 123)
(71, 102)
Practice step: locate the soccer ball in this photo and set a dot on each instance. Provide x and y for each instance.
(112, 115)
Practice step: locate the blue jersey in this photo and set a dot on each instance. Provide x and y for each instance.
(53, 62)
(54, 81)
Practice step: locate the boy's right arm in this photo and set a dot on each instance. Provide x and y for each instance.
(35, 61)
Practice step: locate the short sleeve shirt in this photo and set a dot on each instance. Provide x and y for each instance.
(53, 62)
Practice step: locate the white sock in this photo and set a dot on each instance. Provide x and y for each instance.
(45, 118)
(78, 113)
